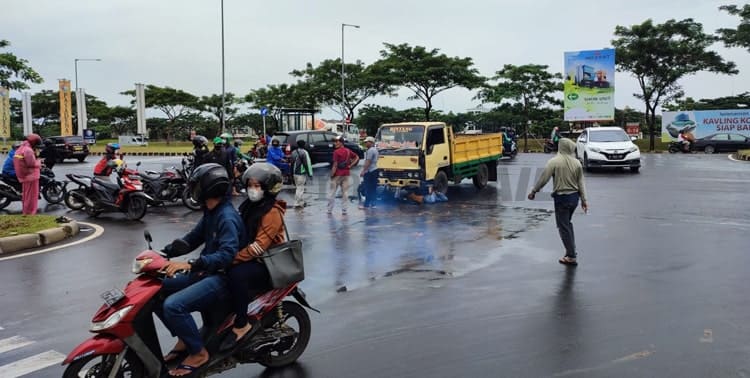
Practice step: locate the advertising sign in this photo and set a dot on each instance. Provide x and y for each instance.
(89, 136)
(66, 116)
(4, 113)
(703, 123)
(589, 85)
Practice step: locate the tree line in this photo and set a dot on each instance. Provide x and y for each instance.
(658, 56)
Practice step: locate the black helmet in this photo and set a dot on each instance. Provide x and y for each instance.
(111, 148)
(268, 175)
(208, 181)
(48, 142)
(200, 141)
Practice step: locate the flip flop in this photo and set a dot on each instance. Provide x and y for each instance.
(192, 370)
(565, 260)
(231, 341)
(176, 354)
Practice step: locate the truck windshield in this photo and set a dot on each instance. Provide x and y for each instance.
(394, 137)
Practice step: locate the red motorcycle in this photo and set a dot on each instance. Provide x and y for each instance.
(97, 195)
(126, 340)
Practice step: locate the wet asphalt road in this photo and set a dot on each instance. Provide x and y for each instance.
(470, 287)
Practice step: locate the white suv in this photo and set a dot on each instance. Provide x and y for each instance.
(607, 147)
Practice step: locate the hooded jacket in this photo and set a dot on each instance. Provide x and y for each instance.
(26, 164)
(565, 170)
(270, 233)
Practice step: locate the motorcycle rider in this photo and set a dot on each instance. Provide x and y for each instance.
(200, 150)
(222, 233)
(220, 156)
(262, 215)
(683, 141)
(49, 153)
(555, 137)
(231, 149)
(9, 171)
(276, 157)
(27, 168)
(105, 166)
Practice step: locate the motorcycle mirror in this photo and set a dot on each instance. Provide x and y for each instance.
(138, 164)
(149, 239)
(180, 247)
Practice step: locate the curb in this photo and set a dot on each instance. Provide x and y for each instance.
(11, 244)
(144, 153)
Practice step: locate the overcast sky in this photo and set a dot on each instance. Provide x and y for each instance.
(177, 43)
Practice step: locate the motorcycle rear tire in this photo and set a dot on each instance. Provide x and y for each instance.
(188, 201)
(137, 207)
(71, 201)
(54, 192)
(92, 212)
(4, 202)
(290, 310)
(130, 364)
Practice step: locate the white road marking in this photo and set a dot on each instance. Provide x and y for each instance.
(99, 230)
(14, 342)
(31, 364)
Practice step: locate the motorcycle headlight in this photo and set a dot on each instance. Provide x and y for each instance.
(111, 321)
(138, 265)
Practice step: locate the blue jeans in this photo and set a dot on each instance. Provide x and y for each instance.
(371, 187)
(187, 293)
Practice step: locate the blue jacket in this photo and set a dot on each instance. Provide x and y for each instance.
(222, 231)
(275, 155)
(8, 167)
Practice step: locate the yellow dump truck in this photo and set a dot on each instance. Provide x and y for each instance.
(418, 155)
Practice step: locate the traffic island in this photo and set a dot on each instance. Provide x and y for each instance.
(26, 232)
(743, 155)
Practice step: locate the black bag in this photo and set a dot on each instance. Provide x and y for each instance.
(284, 262)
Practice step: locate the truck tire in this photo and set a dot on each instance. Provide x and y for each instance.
(441, 182)
(480, 179)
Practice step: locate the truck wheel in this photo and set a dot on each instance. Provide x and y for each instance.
(441, 182)
(480, 180)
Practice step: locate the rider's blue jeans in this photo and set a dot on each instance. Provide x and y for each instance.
(187, 293)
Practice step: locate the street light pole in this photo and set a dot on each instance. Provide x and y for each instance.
(78, 99)
(343, 90)
(223, 106)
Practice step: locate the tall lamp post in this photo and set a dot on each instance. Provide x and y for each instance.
(223, 106)
(343, 91)
(78, 98)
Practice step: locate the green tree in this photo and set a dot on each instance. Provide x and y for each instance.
(212, 104)
(120, 119)
(278, 97)
(739, 37)
(659, 55)
(530, 85)
(174, 103)
(425, 72)
(741, 100)
(325, 82)
(15, 73)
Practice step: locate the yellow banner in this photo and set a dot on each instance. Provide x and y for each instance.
(66, 110)
(4, 113)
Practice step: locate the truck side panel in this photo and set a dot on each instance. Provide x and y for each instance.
(470, 151)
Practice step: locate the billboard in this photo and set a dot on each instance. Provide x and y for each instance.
(589, 85)
(702, 123)
(66, 118)
(4, 113)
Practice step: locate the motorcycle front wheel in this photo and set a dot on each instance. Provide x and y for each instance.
(54, 192)
(101, 366)
(72, 201)
(296, 318)
(136, 208)
(4, 202)
(189, 202)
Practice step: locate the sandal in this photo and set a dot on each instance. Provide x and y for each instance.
(565, 260)
(192, 370)
(175, 355)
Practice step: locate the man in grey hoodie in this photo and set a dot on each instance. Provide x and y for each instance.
(568, 189)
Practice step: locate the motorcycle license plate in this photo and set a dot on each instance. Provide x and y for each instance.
(112, 296)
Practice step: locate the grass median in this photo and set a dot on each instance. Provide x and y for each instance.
(743, 154)
(25, 224)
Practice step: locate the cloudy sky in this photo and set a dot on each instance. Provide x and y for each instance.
(177, 42)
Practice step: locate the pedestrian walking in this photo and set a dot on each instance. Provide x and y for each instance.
(569, 188)
(27, 170)
(302, 169)
(370, 173)
(343, 161)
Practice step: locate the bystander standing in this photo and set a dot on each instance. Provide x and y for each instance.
(27, 169)
(343, 161)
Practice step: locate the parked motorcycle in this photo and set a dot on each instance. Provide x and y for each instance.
(675, 147)
(126, 342)
(52, 190)
(99, 195)
(165, 187)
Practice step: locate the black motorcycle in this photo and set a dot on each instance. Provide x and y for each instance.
(549, 146)
(166, 187)
(52, 190)
(97, 195)
(675, 147)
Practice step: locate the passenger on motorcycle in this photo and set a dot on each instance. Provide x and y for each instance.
(262, 215)
(276, 157)
(222, 233)
(220, 156)
(684, 141)
(200, 150)
(105, 166)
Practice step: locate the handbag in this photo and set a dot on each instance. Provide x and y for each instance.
(284, 262)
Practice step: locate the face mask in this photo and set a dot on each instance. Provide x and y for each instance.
(254, 195)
